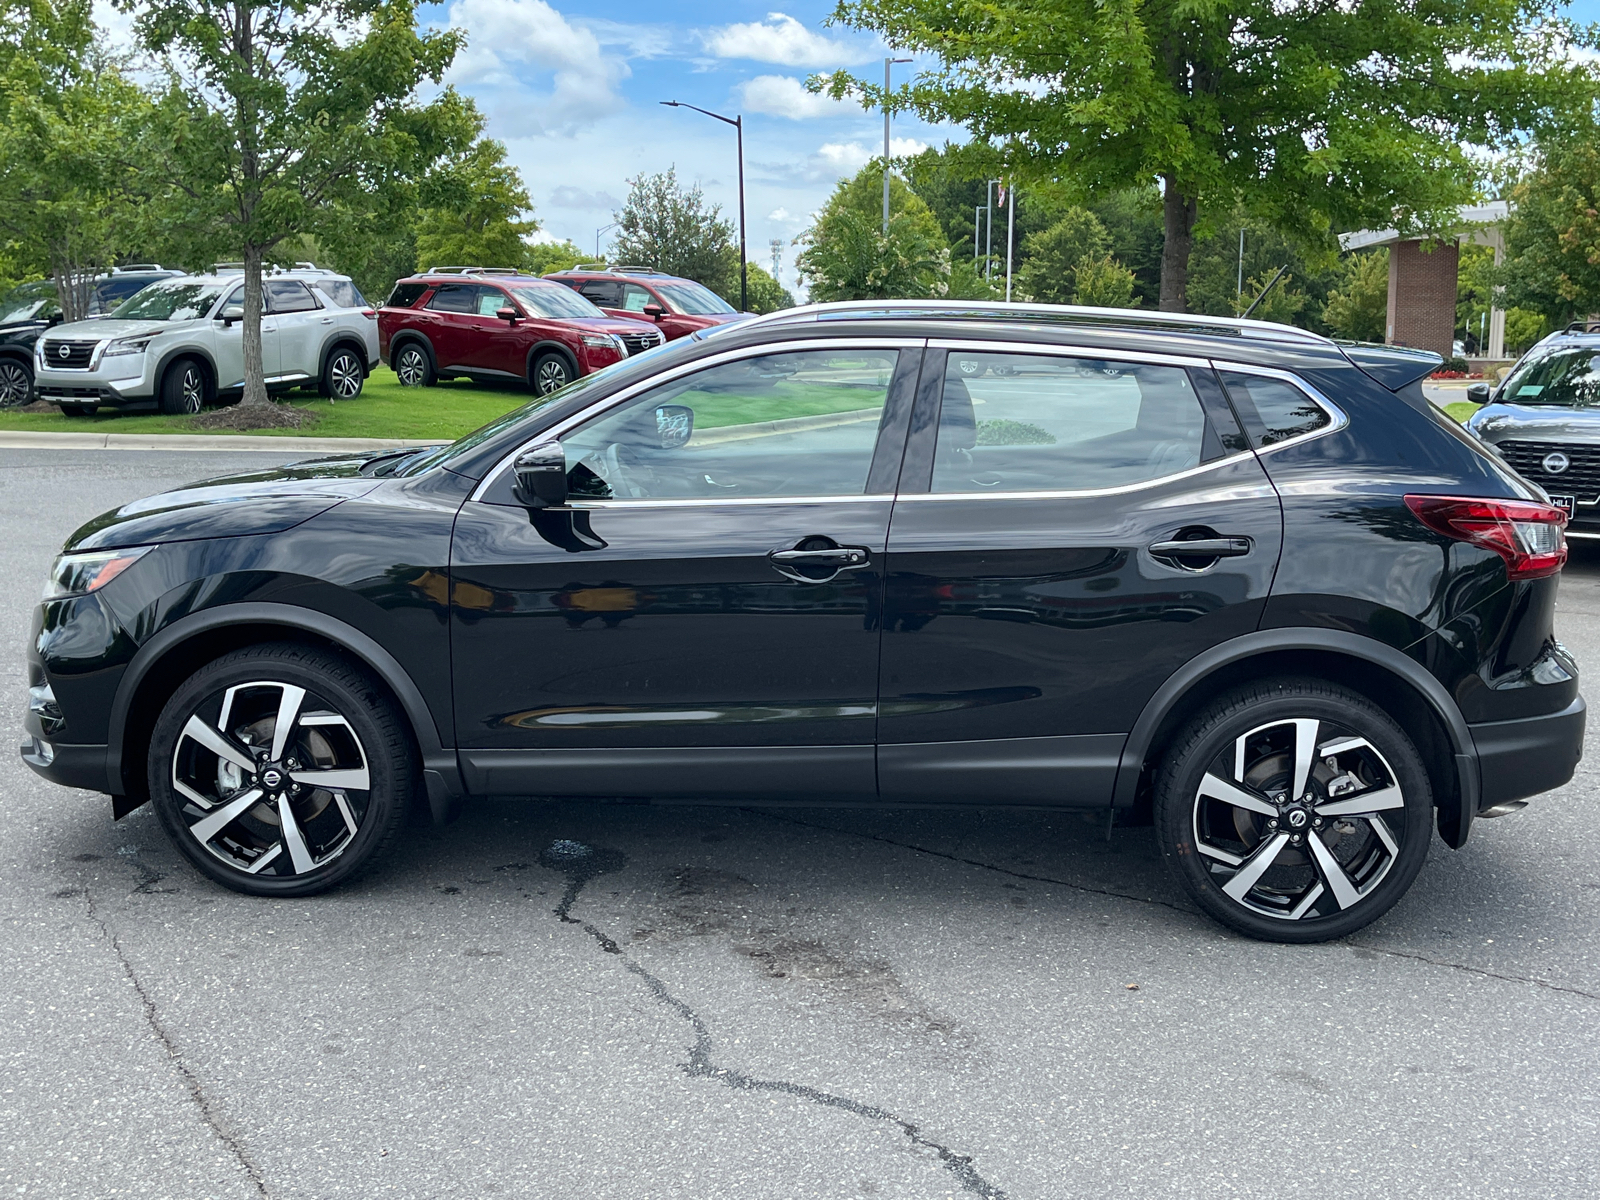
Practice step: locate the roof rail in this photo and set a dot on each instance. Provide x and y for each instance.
(1583, 327)
(473, 271)
(137, 267)
(624, 269)
(1052, 314)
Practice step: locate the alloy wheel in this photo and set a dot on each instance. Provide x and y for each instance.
(193, 390)
(15, 384)
(344, 376)
(1299, 819)
(412, 368)
(551, 376)
(275, 781)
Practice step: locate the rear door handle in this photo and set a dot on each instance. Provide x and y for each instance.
(327, 320)
(1213, 547)
(820, 565)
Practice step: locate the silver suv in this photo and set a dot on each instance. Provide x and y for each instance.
(179, 345)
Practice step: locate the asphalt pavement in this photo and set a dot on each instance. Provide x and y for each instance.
(609, 1001)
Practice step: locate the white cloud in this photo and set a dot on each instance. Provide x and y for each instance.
(848, 157)
(640, 41)
(779, 215)
(782, 39)
(509, 38)
(567, 196)
(786, 96)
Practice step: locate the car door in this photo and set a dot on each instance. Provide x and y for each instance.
(702, 618)
(494, 344)
(227, 343)
(451, 313)
(1039, 589)
(302, 326)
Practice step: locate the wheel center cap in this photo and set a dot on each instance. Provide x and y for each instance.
(273, 777)
(1297, 818)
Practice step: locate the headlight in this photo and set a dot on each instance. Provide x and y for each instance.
(601, 341)
(80, 574)
(133, 345)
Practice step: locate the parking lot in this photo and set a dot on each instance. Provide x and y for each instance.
(598, 1001)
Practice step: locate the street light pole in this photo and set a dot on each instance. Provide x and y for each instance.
(887, 63)
(597, 234)
(738, 125)
(988, 230)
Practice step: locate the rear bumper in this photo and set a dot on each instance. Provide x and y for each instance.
(1517, 759)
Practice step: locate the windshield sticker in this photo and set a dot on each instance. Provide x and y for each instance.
(1530, 389)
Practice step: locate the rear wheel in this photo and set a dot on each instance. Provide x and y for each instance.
(551, 371)
(183, 391)
(279, 770)
(16, 383)
(413, 367)
(1294, 811)
(343, 376)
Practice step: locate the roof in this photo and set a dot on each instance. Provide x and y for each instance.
(620, 272)
(1470, 220)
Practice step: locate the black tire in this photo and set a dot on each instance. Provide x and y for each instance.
(413, 366)
(345, 731)
(343, 375)
(183, 388)
(16, 383)
(551, 372)
(1279, 886)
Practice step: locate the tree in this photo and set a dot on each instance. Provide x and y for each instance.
(1316, 116)
(1053, 255)
(481, 215)
(1553, 236)
(541, 258)
(277, 116)
(847, 257)
(667, 227)
(1358, 308)
(67, 203)
(1102, 282)
(766, 293)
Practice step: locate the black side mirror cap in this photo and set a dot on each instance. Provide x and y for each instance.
(508, 315)
(1478, 393)
(654, 311)
(542, 476)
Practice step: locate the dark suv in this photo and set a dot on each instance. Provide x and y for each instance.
(29, 310)
(491, 324)
(679, 306)
(1224, 573)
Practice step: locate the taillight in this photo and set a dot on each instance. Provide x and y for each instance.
(1528, 536)
(370, 314)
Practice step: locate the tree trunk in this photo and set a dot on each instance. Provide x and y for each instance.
(1178, 213)
(255, 386)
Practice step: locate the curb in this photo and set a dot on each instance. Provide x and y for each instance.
(11, 439)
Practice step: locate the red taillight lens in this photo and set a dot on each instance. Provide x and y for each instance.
(369, 314)
(1528, 536)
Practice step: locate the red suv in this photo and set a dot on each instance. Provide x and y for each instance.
(491, 324)
(679, 306)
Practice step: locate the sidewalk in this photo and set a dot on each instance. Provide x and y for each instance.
(22, 440)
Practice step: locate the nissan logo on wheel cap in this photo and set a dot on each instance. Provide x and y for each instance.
(1555, 462)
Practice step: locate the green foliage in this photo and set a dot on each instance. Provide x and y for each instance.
(1053, 256)
(1282, 304)
(967, 281)
(283, 117)
(1004, 432)
(1552, 262)
(541, 258)
(1358, 308)
(766, 293)
(1315, 116)
(846, 256)
(482, 213)
(668, 227)
(1102, 282)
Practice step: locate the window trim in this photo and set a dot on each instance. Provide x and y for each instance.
(600, 407)
(1338, 419)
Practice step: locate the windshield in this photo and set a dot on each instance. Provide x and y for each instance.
(692, 299)
(170, 302)
(31, 301)
(555, 300)
(1567, 376)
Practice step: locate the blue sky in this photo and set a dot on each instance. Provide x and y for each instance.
(572, 87)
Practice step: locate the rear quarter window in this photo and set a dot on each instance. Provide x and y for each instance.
(406, 294)
(1273, 410)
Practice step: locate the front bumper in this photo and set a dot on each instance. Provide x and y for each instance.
(1518, 759)
(66, 764)
(94, 389)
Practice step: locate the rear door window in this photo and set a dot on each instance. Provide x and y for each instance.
(606, 293)
(455, 298)
(1039, 423)
(289, 296)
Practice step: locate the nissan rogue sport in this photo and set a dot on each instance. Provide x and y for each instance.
(1225, 573)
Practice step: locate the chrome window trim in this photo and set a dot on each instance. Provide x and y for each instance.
(732, 501)
(1056, 350)
(1079, 493)
(1338, 418)
(715, 360)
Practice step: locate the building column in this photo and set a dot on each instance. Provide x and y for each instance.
(1422, 296)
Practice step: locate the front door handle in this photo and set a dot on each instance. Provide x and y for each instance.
(810, 562)
(1211, 547)
(327, 320)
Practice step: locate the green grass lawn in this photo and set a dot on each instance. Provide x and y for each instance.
(1461, 409)
(383, 410)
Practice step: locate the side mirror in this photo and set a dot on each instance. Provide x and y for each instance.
(542, 476)
(232, 313)
(654, 311)
(1478, 393)
(674, 425)
(508, 315)
(55, 319)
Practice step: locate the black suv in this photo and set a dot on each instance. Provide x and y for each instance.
(29, 310)
(1225, 573)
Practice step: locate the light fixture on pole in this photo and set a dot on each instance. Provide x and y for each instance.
(887, 63)
(597, 234)
(738, 125)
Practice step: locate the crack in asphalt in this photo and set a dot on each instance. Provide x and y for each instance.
(581, 863)
(1081, 887)
(197, 1092)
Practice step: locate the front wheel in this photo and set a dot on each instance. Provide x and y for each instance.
(343, 376)
(183, 391)
(551, 372)
(279, 770)
(1294, 811)
(413, 367)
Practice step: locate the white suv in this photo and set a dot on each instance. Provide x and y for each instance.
(179, 344)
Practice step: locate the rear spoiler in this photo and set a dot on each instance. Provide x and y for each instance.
(1393, 366)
